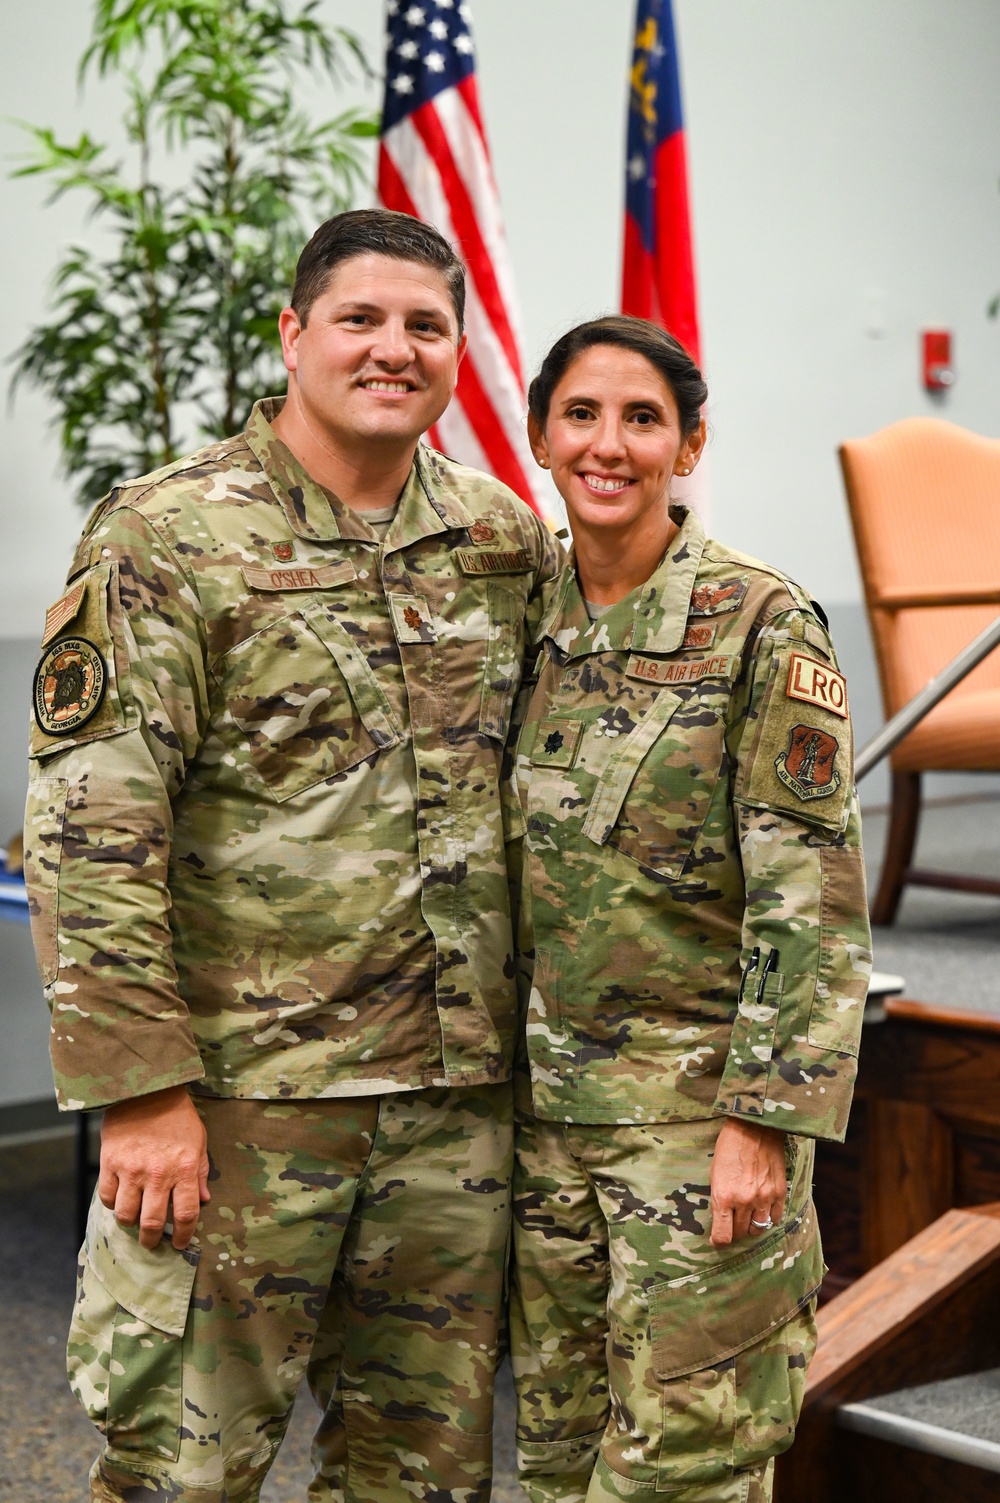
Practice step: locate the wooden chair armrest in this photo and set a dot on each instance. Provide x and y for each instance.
(909, 1011)
(904, 600)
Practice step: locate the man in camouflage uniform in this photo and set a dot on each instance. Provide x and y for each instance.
(694, 908)
(265, 853)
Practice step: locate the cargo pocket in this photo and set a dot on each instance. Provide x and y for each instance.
(418, 1447)
(307, 702)
(730, 1347)
(125, 1354)
(652, 797)
(44, 815)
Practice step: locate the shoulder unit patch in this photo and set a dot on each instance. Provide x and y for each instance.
(69, 686)
(806, 765)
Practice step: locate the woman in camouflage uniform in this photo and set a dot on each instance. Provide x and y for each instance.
(695, 955)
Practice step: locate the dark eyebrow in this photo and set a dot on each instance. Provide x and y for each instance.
(362, 307)
(595, 402)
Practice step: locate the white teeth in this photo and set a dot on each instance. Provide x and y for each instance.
(598, 484)
(386, 386)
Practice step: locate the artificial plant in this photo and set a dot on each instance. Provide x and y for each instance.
(167, 337)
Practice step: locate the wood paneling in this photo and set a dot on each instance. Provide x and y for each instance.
(929, 1311)
(924, 1134)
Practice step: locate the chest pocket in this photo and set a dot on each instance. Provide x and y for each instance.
(654, 792)
(306, 701)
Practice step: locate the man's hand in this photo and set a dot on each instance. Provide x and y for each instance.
(154, 1164)
(747, 1180)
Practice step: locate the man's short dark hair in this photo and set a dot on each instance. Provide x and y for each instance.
(378, 232)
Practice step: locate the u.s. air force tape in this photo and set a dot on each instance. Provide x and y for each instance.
(69, 685)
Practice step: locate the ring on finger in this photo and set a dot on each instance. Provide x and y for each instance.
(762, 1226)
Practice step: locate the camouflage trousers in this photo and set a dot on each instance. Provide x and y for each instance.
(359, 1242)
(647, 1362)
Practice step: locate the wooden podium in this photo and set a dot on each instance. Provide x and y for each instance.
(924, 1134)
(903, 1395)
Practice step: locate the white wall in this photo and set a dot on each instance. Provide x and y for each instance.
(845, 161)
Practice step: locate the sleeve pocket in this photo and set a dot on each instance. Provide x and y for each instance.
(125, 1349)
(844, 966)
(706, 1318)
(43, 835)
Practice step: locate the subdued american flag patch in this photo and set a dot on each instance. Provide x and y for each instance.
(57, 616)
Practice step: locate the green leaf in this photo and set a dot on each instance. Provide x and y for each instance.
(169, 335)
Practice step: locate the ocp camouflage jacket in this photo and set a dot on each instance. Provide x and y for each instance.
(264, 836)
(693, 909)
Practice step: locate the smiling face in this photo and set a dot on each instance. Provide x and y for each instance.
(613, 439)
(376, 361)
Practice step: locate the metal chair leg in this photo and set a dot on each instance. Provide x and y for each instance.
(904, 820)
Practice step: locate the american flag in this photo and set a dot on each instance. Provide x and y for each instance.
(434, 163)
(658, 268)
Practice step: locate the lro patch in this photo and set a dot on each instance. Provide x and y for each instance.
(816, 684)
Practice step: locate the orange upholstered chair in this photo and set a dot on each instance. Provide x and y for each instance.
(925, 505)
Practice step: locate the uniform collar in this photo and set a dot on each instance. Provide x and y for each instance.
(662, 605)
(314, 512)
(652, 618)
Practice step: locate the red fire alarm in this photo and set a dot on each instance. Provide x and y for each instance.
(939, 373)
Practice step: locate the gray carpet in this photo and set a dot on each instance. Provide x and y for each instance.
(947, 947)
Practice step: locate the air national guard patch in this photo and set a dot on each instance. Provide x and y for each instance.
(69, 685)
(806, 764)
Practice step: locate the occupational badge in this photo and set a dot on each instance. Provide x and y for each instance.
(69, 685)
(717, 596)
(284, 551)
(700, 635)
(806, 766)
(482, 532)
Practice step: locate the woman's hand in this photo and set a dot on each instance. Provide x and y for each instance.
(748, 1181)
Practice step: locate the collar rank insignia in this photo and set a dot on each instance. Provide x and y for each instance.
(717, 596)
(482, 532)
(806, 766)
(556, 743)
(69, 685)
(412, 618)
